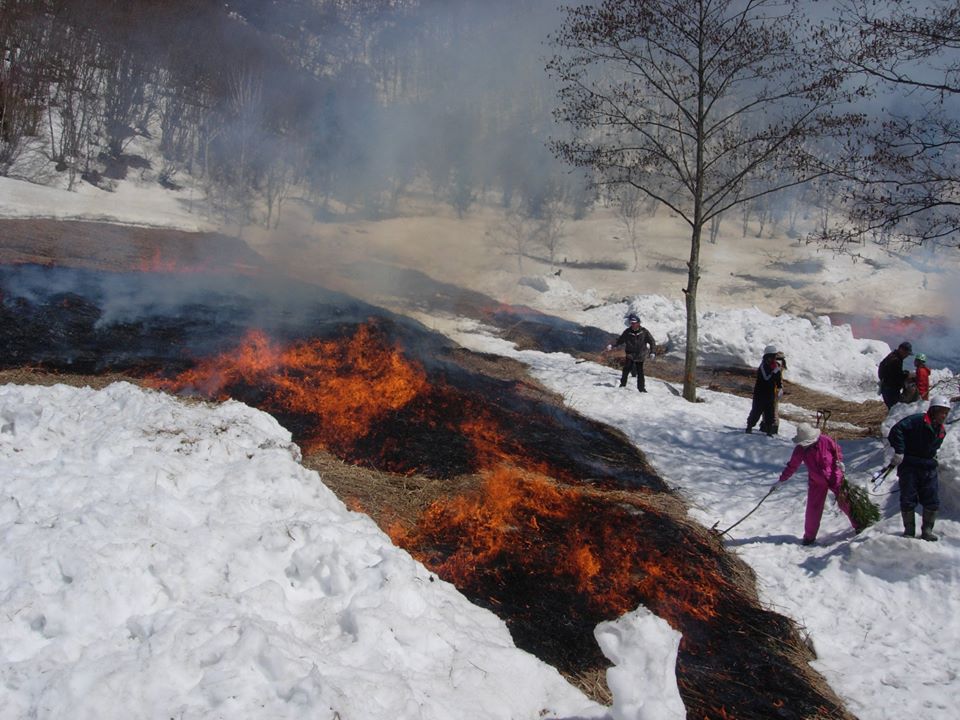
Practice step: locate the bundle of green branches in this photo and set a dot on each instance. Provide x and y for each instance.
(863, 511)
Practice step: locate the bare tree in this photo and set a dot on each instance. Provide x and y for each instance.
(549, 232)
(245, 114)
(73, 109)
(123, 95)
(627, 210)
(21, 85)
(906, 186)
(715, 228)
(701, 104)
(516, 233)
(279, 174)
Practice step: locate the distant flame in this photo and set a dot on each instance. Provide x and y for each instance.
(157, 263)
(892, 330)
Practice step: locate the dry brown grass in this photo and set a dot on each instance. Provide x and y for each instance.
(39, 376)
(864, 417)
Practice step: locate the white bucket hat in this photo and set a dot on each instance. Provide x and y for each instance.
(941, 401)
(770, 350)
(807, 435)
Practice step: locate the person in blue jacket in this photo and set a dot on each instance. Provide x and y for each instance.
(915, 441)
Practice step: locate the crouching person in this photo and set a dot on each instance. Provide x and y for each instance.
(824, 460)
(915, 441)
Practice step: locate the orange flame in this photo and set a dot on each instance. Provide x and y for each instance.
(527, 522)
(347, 385)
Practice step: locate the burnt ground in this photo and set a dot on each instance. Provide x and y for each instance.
(393, 500)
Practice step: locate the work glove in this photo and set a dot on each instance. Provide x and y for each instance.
(653, 356)
(609, 348)
(843, 469)
(896, 460)
(779, 393)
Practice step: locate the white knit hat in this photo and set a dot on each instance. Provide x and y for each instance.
(807, 435)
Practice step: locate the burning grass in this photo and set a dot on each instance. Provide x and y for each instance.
(555, 559)
(550, 520)
(346, 385)
(360, 396)
(531, 525)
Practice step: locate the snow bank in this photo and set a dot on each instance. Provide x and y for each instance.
(163, 560)
(129, 203)
(820, 355)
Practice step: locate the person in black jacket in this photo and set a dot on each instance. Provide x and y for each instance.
(639, 345)
(915, 441)
(892, 375)
(767, 390)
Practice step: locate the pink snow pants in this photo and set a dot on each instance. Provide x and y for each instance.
(816, 497)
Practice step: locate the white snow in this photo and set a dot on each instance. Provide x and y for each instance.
(129, 203)
(171, 560)
(168, 560)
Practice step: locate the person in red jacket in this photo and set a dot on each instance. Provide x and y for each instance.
(923, 375)
(824, 460)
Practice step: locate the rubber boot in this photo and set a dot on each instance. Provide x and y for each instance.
(909, 523)
(926, 530)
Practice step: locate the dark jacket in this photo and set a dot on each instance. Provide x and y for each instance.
(891, 372)
(769, 379)
(638, 343)
(917, 439)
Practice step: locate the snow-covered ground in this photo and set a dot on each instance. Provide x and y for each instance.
(129, 203)
(880, 609)
(175, 561)
(162, 560)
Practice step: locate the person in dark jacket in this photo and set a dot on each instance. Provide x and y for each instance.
(915, 441)
(892, 375)
(639, 345)
(767, 390)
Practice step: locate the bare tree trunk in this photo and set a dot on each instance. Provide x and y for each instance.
(690, 294)
(715, 228)
(693, 266)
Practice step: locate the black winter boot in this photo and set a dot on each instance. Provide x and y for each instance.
(926, 530)
(909, 523)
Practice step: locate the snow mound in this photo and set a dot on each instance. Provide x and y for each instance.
(166, 560)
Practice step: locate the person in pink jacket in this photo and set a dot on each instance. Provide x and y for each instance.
(824, 460)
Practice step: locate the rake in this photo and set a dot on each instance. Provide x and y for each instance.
(721, 534)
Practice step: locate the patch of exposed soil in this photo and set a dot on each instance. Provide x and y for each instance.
(104, 246)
